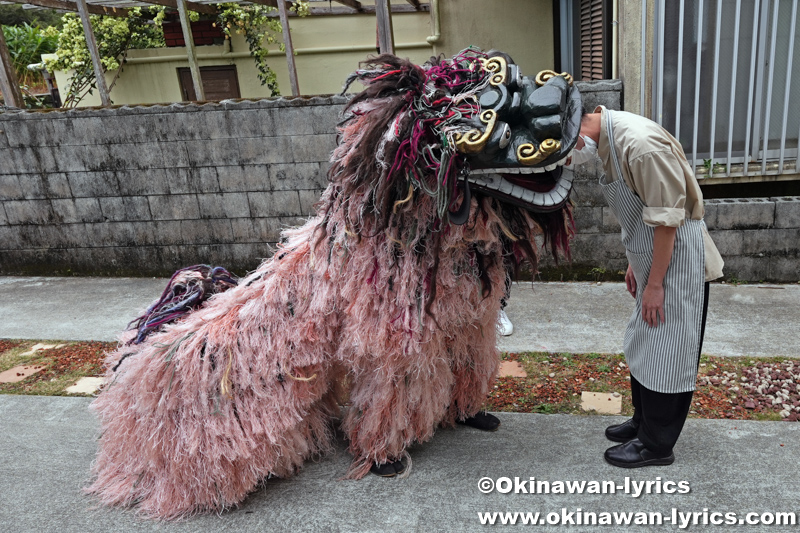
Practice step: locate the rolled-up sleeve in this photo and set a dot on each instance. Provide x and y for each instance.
(659, 181)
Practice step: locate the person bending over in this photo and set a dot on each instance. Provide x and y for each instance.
(652, 190)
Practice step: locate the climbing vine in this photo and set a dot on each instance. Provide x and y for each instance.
(259, 29)
(143, 29)
(114, 35)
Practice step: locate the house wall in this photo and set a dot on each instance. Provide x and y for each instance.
(146, 190)
(521, 28)
(329, 48)
(150, 76)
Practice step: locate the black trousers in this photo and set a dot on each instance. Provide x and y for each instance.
(661, 416)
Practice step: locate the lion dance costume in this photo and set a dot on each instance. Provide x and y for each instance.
(387, 299)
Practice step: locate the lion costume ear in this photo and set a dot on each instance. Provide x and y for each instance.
(460, 216)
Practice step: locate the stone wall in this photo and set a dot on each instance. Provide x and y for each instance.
(759, 238)
(145, 190)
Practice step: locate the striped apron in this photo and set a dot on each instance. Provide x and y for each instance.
(664, 358)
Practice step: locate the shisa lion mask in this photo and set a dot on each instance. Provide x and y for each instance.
(528, 128)
(385, 301)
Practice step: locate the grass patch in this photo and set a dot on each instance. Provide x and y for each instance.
(553, 385)
(61, 367)
(555, 382)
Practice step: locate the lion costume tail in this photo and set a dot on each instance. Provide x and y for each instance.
(246, 387)
(194, 417)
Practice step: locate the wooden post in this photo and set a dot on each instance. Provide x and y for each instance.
(91, 43)
(383, 13)
(186, 25)
(287, 43)
(9, 85)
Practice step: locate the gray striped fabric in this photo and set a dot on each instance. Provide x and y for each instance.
(663, 358)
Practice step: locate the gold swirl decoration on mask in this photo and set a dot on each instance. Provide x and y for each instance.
(475, 140)
(545, 75)
(498, 68)
(528, 154)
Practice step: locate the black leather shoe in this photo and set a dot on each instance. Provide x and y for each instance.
(634, 454)
(389, 469)
(483, 421)
(622, 432)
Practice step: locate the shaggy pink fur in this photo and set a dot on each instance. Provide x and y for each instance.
(246, 386)
(200, 413)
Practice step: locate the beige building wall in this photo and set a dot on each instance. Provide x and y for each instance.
(521, 28)
(329, 48)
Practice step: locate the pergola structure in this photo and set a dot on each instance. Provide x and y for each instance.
(119, 8)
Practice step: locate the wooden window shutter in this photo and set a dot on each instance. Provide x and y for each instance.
(595, 42)
(219, 83)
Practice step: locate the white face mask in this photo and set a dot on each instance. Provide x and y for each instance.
(585, 154)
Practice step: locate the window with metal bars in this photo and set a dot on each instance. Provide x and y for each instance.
(726, 83)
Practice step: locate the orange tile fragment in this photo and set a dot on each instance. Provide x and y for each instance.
(18, 373)
(512, 369)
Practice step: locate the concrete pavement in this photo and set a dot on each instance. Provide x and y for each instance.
(47, 443)
(758, 320)
(72, 308)
(745, 320)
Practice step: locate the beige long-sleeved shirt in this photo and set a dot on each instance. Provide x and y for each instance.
(655, 168)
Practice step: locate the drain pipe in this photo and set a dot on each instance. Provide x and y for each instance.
(437, 30)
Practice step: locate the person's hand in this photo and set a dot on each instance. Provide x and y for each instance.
(653, 305)
(630, 281)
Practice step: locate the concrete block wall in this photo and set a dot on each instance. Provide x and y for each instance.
(759, 238)
(145, 190)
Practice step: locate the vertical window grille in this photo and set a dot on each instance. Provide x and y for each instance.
(728, 76)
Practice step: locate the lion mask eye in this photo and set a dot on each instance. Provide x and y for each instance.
(505, 136)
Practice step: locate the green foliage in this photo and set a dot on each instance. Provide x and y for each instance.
(301, 7)
(259, 30)
(713, 168)
(143, 29)
(544, 408)
(26, 44)
(252, 21)
(598, 273)
(114, 35)
(14, 15)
